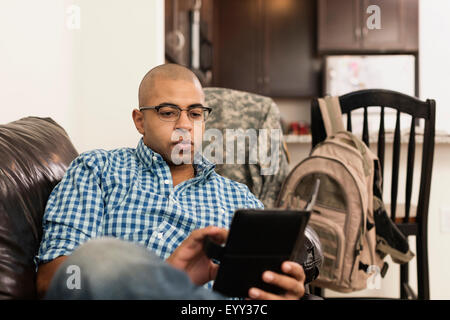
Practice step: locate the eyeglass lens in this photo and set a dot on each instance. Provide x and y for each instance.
(168, 113)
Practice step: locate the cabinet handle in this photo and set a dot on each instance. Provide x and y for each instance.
(357, 33)
(266, 79)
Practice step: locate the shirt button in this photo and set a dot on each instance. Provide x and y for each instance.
(166, 181)
(160, 235)
(154, 158)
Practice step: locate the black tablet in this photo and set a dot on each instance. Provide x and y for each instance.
(258, 240)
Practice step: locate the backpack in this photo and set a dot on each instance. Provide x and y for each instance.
(343, 216)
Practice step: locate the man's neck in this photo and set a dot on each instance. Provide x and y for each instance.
(181, 173)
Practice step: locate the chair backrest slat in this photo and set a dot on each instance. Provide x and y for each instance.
(395, 166)
(410, 167)
(365, 136)
(427, 165)
(381, 145)
(349, 121)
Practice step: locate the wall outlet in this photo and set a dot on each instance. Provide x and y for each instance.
(445, 220)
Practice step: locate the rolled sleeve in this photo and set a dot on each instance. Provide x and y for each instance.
(74, 210)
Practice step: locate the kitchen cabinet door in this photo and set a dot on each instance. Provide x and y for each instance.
(290, 67)
(397, 30)
(390, 18)
(237, 46)
(339, 25)
(348, 26)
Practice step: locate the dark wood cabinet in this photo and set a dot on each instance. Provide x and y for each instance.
(266, 47)
(290, 65)
(343, 26)
(339, 25)
(236, 48)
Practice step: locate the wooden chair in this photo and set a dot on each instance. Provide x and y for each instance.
(410, 226)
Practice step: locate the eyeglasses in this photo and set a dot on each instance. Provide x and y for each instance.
(171, 112)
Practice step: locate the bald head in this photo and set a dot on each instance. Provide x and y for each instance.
(164, 72)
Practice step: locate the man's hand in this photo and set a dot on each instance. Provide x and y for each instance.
(191, 258)
(293, 283)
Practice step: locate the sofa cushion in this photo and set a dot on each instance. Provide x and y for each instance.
(34, 154)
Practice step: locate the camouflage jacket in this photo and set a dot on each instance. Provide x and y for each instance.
(234, 110)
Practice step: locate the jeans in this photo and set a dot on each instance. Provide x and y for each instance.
(109, 268)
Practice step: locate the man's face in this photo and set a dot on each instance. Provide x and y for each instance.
(172, 139)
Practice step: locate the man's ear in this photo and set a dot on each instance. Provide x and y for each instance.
(138, 118)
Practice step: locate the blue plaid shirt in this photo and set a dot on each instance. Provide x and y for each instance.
(128, 193)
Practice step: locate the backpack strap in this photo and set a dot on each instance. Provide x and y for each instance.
(330, 109)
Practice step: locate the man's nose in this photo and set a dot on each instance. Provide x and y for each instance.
(184, 122)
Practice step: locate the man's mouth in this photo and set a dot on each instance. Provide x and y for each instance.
(184, 144)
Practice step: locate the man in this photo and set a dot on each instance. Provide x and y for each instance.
(162, 196)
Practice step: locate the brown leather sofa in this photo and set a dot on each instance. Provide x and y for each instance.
(34, 154)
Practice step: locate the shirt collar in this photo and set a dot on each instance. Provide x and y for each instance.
(203, 166)
(150, 159)
(147, 156)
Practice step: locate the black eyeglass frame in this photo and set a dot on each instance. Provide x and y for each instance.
(207, 109)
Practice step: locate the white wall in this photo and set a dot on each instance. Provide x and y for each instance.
(86, 79)
(119, 41)
(434, 72)
(36, 68)
(434, 29)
